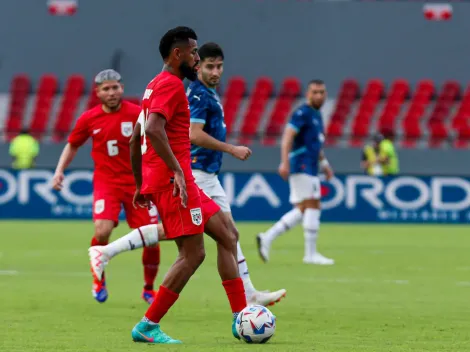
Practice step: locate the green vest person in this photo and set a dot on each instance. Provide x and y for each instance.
(388, 156)
(24, 149)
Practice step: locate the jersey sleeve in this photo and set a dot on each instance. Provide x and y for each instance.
(198, 107)
(297, 121)
(80, 132)
(166, 98)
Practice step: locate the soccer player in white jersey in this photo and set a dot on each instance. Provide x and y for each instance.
(301, 159)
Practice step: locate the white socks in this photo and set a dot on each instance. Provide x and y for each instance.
(311, 224)
(244, 274)
(138, 238)
(288, 220)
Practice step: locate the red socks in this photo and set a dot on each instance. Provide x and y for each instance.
(151, 261)
(236, 294)
(164, 299)
(96, 242)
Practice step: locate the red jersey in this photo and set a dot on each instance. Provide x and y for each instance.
(111, 133)
(166, 96)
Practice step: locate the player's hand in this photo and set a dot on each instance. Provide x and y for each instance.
(57, 181)
(329, 174)
(241, 152)
(284, 170)
(180, 188)
(140, 200)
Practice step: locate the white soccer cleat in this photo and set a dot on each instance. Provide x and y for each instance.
(263, 248)
(98, 260)
(318, 259)
(266, 298)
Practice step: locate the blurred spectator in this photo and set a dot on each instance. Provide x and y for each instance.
(387, 154)
(24, 149)
(370, 157)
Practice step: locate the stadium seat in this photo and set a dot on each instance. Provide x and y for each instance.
(438, 135)
(71, 97)
(20, 89)
(463, 138)
(289, 92)
(258, 100)
(93, 100)
(399, 90)
(44, 99)
(361, 122)
(234, 93)
(348, 94)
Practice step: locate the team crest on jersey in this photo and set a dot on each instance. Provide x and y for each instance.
(126, 129)
(196, 216)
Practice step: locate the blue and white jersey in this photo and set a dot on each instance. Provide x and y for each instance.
(205, 108)
(308, 141)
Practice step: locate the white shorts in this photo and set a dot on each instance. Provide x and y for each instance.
(210, 184)
(303, 187)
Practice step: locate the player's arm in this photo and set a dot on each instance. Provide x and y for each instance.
(136, 155)
(155, 130)
(77, 137)
(199, 107)
(202, 139)
(325, 165)
(286, 147)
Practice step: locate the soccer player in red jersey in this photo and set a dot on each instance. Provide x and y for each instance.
(110, 125)
(163, 175)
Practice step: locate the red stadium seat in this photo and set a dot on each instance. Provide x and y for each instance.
(19, 91)
(44, 99)
(234, 93)
(290, 90)
(262, 91)
(73, 91)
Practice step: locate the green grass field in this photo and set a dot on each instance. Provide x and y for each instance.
(393, 288)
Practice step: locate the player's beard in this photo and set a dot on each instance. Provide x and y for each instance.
(114, 106)
(188, 71)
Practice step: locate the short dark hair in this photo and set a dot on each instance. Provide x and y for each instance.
(210, 50)
(316, 81)
(174, 36)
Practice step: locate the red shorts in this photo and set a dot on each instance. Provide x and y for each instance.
(107, 201)
(179, 221)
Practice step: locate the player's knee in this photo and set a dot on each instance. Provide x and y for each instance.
(196, 258)
(102, 233)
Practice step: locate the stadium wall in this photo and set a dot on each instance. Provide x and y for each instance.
(331, 40)
(452, 162)
(259, 196)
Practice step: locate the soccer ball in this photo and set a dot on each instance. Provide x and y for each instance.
(255, 324)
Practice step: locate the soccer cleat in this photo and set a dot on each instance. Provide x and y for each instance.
(149, 296)
(98, 260)
(234, 326)
(151, 333)
(318, 259)
(99, 291)
(263, 247)
(266, 298)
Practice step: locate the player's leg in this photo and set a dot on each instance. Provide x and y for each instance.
(137, 217)
(311, 225)
(106, 208)
(288, 220)
(218, 226)
(185, 226)
(143, 236)
(253, 296)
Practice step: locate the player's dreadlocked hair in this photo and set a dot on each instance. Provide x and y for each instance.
(211, 50)
(174, 36)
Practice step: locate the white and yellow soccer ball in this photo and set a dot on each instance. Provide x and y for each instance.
(255, 324)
